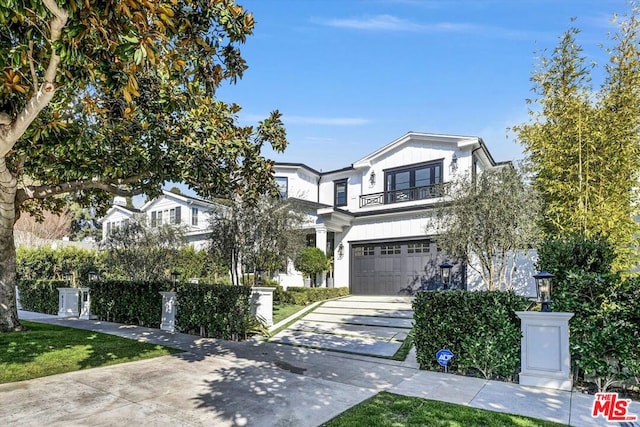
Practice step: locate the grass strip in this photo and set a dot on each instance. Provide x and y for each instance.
(46, 349)
(393, 410)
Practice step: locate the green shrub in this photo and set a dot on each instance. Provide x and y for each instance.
(305, 296)
(133, 303)
(40, 296)
(480, 328)
(216, 311)
(605, 327)
(47, 264)
(311, 261)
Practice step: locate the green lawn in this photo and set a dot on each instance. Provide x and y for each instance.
(48, 349)
(282, 311)
(392, 410)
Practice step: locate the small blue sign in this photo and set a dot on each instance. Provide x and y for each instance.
(444, 356)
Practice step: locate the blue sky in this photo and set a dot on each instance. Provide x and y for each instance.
(350, 76)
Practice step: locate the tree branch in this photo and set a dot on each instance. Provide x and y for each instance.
(113, 186)
(43, 95)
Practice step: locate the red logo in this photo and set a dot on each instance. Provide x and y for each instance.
(612, 408)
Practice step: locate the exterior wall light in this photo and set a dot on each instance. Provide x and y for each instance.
(67, 276)
(544, 285)
(372, 178)
(92, 275)
(445, 274)
(340, 251)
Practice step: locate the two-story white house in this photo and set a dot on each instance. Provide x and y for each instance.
(170, 208)
(373, 216)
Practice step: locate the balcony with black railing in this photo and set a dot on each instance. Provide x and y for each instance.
(404, 195)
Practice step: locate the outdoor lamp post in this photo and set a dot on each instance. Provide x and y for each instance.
(445, 273)
(67, 276)
(175, 276)
(92, 275)
(544, 285)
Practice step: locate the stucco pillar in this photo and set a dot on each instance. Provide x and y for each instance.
(85, 304)
(68, 300)
(262, 305)
(18, 302)
(321, 243)
(545, 358)
(169, 308)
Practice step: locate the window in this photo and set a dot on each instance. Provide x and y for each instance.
(340, 193)
(194, 216)
(364, 250)
(390, 250)
(413, 183)
(283, 185)
(167, 216)
(418, 248)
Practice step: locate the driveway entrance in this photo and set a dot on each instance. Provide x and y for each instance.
(359, 324)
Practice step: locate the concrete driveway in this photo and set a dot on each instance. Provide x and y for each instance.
(365, 325)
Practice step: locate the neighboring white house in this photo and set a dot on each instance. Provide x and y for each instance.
(170, 208)
(373, 217)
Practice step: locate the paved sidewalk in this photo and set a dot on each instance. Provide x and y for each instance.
(254, 383)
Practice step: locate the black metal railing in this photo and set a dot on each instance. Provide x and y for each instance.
(404, 195)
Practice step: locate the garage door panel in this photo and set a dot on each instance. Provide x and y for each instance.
(388, 267)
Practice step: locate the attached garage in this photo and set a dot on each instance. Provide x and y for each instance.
(388, 268)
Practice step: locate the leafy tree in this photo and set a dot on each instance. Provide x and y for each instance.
(487, 222)
(144, 253)
(117, 97)
(583, 143)
(311, 261)
(606, 323)
(257, 236)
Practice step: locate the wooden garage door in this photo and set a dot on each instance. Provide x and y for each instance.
(389, 267)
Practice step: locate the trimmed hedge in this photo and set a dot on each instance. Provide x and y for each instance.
(480, 328)
(216, 311)
(133, 303)
(40, 296)
(304, 296)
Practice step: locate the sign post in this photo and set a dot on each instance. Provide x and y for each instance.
(443, 357)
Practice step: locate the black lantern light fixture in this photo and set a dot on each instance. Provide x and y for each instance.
(92, 275)
(340, 250)
(544, 285)
(445, 274)
(175, 276)
(67, 276)
(372, 178)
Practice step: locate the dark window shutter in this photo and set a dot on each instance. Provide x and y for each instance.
(178, 219)
(153, 218)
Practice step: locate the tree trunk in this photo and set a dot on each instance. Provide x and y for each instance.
(8, 309)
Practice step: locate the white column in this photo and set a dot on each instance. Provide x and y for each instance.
(68, 302)
(169, 308)
(18, 302)
(262, 305)
(85, 304)
(545, 357)
(321, 243)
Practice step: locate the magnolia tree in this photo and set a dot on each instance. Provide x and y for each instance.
(117, 97)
